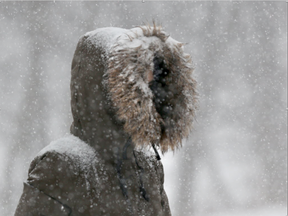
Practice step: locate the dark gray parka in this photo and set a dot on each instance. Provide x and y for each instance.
(130, 90)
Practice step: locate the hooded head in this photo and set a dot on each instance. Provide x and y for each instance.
(133, 83)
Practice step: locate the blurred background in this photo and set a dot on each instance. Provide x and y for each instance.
(234, 162)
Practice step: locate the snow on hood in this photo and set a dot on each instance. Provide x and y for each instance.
(105, 37)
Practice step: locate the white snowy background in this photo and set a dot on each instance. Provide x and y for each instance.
(235, 161)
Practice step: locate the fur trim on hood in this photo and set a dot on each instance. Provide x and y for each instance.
(160, 111)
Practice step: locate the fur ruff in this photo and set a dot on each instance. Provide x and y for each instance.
(128, 88)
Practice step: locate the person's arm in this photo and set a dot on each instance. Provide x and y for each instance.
(44, 191)
(35, 202)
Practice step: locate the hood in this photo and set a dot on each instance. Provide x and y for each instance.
(134, 84)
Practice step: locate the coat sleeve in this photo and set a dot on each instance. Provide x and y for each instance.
(35, 202)
(44, 190)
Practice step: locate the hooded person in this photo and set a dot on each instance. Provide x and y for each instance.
(132, 93)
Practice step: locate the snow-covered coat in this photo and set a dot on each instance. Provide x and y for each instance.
(131, 93)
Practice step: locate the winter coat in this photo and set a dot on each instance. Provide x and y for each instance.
(131, 94)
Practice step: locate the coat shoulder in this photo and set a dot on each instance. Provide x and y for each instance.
(58, 173)
(69, 148)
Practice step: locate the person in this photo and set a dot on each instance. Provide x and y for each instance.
(132, 95)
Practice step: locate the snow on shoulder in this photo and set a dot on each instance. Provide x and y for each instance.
(75, 149)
